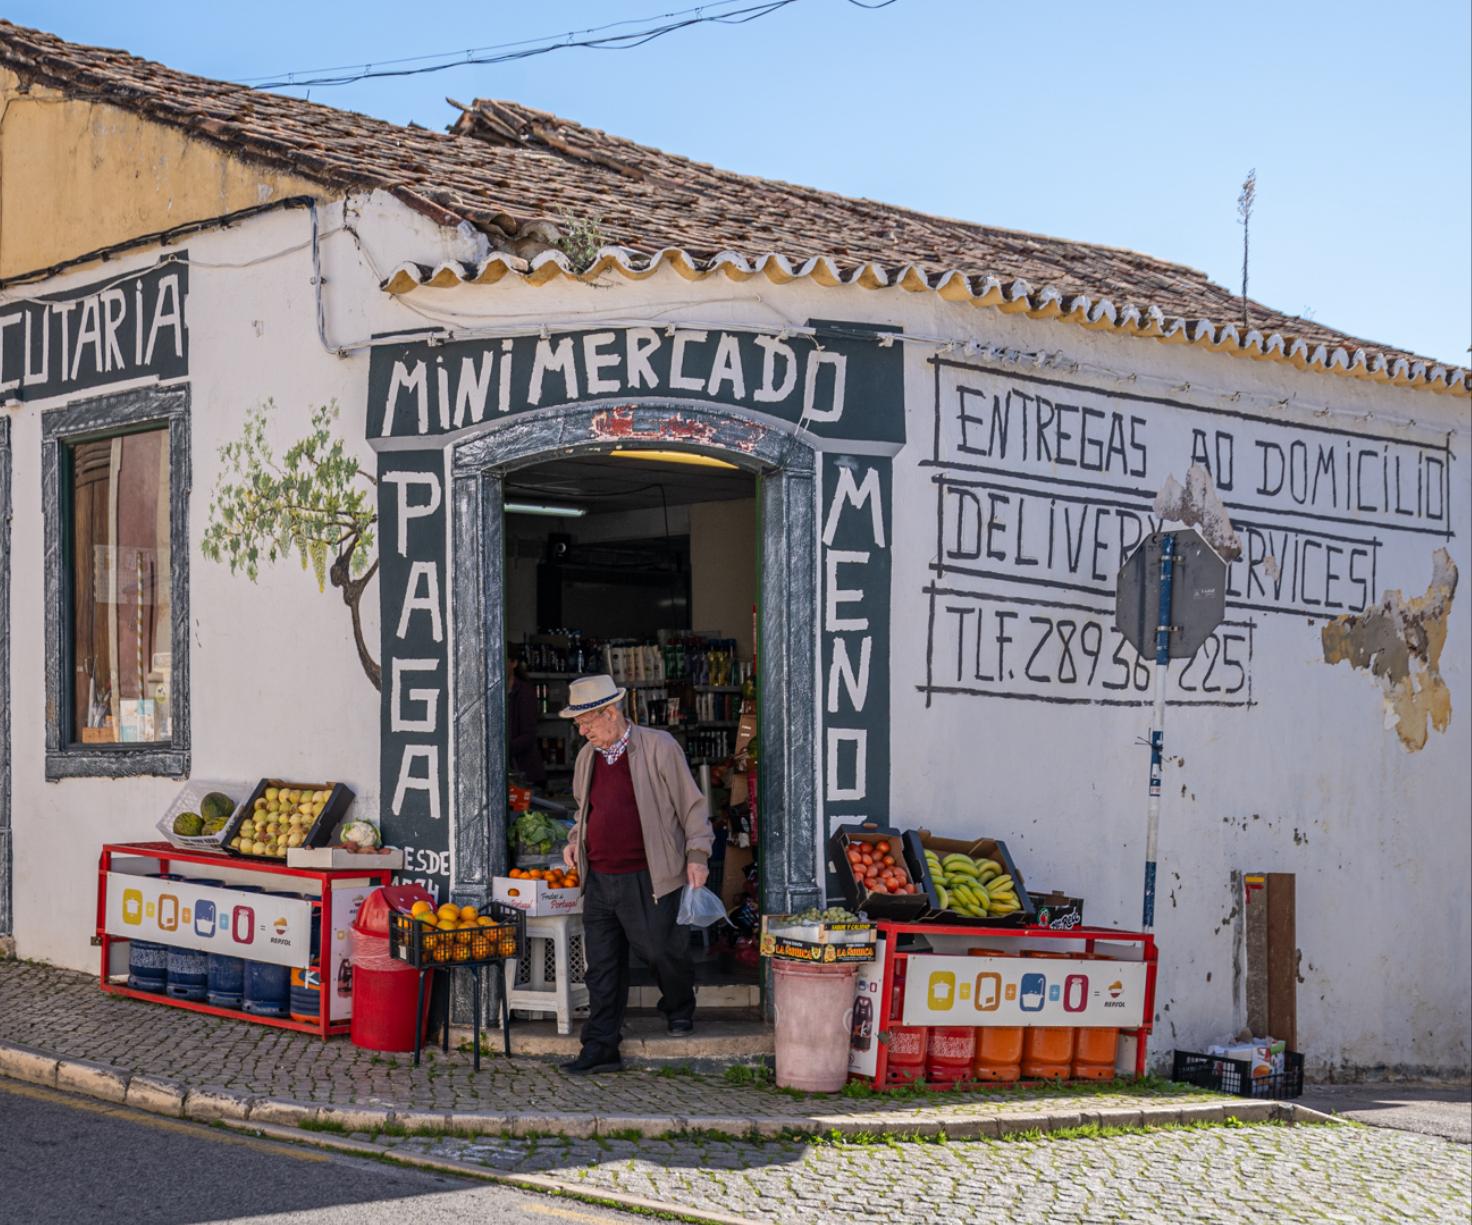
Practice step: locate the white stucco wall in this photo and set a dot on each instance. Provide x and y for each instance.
(276, 688)
(1308, 779)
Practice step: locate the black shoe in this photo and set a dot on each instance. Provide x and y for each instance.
(589, 1062)
(682, 1029)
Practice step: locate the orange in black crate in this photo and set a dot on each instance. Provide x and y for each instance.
(457, 935)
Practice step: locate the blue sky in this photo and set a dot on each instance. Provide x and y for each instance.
(1131, 125)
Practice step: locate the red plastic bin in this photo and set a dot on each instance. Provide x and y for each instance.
(385, 991)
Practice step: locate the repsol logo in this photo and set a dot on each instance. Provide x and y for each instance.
(279, 940)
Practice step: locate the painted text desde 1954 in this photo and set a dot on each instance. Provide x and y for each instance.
(1120, 443)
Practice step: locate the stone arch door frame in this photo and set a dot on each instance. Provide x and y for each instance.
(788, 633)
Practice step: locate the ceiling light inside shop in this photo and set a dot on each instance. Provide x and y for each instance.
(676, 457)
(546, 508)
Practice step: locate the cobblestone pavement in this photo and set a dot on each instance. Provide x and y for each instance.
(65, 1014)
(1323, 1172)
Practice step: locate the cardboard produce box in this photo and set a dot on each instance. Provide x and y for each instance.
(1057, 911)
(339, 857)
(826, 944)
(977, 848)
(535, 898)
(904, 849)
(789, 928)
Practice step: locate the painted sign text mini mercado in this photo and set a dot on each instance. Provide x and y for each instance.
(127, 327)
(840, 385)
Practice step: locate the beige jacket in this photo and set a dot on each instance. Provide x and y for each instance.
(672, 808)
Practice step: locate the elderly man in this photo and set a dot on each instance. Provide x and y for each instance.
(642, 832)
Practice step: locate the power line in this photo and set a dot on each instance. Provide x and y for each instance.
(597, 38)
(459, 55)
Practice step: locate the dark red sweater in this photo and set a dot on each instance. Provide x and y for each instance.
(615, 837)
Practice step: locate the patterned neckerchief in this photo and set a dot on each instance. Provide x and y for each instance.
(617, 749)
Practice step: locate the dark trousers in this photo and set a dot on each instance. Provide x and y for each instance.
(620, 914)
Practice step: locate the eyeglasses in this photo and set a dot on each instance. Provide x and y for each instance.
(583, 722)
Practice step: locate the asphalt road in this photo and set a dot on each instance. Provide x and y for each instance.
(1432, 1110)
(77, 1161)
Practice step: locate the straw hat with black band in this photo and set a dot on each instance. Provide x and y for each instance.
(590, 693)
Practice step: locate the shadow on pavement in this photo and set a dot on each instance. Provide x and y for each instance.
(1431, 1109)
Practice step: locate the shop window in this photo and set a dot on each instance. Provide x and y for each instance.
(116, 476)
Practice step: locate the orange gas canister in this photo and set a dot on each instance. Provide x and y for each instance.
(907, 1043)
(1095, 1049)
(1047, 1050)
(998, 1055)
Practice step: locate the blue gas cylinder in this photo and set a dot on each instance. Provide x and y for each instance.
(268, 986)
(147, 966)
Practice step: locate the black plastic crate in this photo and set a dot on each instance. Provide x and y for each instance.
(319, 833)
(1235, 1075)
(423, 946)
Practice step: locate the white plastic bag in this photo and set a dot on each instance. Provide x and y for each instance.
(700, 907)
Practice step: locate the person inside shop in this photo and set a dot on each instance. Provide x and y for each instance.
(521, 723)
(642, 833)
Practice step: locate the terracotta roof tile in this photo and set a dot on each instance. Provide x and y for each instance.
(509, 169)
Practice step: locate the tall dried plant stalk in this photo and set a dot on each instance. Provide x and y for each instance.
(1246, 198)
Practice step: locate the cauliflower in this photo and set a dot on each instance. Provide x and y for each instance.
(360, 836)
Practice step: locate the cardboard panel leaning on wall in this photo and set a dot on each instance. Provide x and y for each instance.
(723, 565)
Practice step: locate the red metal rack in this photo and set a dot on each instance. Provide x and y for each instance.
(165, 854)
(1089, 937)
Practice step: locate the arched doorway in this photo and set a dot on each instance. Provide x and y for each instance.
(786, 656)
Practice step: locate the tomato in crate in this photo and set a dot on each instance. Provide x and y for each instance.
(877, 872)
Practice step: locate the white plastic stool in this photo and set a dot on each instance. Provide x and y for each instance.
(554, 969)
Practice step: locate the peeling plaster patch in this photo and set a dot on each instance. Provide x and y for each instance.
(1198, 505)
(619, 425)
(1270, 566)
(1400, 641)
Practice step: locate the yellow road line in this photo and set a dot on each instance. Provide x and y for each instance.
(158, 1122)
(565, 1213)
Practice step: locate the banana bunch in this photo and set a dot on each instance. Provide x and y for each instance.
(979, 888)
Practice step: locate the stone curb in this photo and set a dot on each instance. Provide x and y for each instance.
(92, 1080)
(211, 1104)
(525, 1182)
(28, 1064)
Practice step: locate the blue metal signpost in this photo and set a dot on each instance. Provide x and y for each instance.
(1171, 595)
(1157, 728)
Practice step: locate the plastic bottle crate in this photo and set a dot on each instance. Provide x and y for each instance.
(1235, 1075)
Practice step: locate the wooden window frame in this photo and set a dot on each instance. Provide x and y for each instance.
(87, 421)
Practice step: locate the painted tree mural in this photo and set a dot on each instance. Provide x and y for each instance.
(314, 502)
